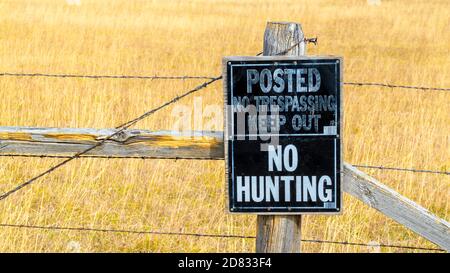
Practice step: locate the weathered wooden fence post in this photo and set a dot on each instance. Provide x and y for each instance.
(281, 233)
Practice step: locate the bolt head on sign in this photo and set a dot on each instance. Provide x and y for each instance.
(283, 134)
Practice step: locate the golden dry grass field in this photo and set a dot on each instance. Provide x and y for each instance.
(399, 42)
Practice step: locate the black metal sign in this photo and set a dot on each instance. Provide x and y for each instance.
(283, 134)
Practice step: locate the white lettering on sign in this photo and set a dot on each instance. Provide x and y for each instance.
(266, 188)
(283, 134)
(289, 159)
(306, 80)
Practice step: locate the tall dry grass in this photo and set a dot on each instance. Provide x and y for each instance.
(403, 42)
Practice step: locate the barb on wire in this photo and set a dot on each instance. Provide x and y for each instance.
(121, 128)
(397, 86)
(155, 77)
(153, 232)
(401, 169)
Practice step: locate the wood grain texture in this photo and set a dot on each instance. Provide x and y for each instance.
(280, 36)
(139, 143)
(280, 233)
(392, 204)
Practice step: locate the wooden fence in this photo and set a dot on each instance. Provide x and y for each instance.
(121, 143)
(209, 145)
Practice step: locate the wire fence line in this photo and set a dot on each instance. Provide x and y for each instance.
(194, 77)
(423, 88)
(227, 236)
(120, 128)
(142, 77)
(379, 167)
(124, 126)
(401, 169)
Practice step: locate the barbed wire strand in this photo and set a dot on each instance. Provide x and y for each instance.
(388, 85)
(155, 77)
(402, 169)
(186, 77)
(122, 128)
(150, 232)
(379, 167)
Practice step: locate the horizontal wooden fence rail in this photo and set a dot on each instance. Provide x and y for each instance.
(134, 143)
(395, 206)
(209, 145)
